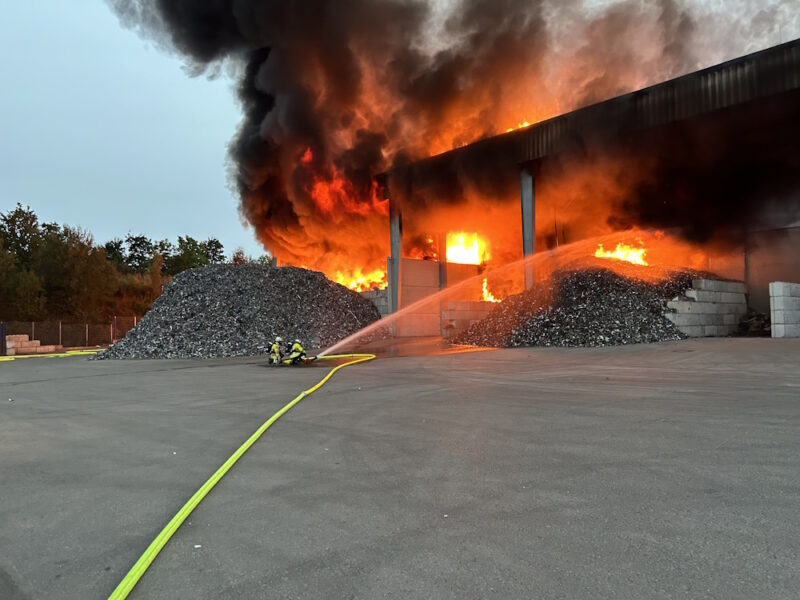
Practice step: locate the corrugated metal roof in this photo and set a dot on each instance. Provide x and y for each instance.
(760, 75)
(766, 73)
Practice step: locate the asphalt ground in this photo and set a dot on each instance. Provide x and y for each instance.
(663, 471)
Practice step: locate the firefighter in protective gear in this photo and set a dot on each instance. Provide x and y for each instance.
(276, 351)
(297, 353)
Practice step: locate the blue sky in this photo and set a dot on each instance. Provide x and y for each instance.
(103, 130)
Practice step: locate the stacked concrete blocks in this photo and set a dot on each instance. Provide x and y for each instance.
(712, 308)
(380, 298)
(460, 315)
(418, 280)
(22, 344)
(784, 303)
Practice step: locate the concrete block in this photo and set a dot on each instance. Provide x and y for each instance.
(716, 285)
(411, 294)
(786, 331)
(468, 315)
(706, 308)
(731, 320)
(47, 349)
(11, 352)
(784, 303)
(693, 330)
(27, 345)
(457, 273)
(786, 317)
(782, 288)
(466, 305)
(419, 273)
(719, 330)
(419, 326)
(723, 297)
(17, 338)
(692, 319)
(38, 350)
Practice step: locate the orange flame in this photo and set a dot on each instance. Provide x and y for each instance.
(359, 281)
(334, 194)
(623, 252)
(487, 295)
(466, 248)
(520, 125)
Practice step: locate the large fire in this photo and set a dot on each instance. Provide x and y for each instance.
(487, 295)
(359, 281)
(466, 248)
(625, 253)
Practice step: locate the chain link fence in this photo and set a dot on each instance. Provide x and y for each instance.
(70, 334)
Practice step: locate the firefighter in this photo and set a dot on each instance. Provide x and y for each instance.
(276, 351)
(297, 353)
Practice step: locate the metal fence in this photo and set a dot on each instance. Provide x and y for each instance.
(72, 335)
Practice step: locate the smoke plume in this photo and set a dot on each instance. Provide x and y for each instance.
(334, 93)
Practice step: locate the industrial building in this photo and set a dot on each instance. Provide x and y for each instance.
(750, 104)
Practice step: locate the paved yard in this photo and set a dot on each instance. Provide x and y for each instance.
(664, 471)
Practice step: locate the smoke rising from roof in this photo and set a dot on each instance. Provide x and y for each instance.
(334, 93)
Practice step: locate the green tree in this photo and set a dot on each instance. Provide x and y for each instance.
(115, 252)
(165, 248)
(19, 230)
(8, 277)
(214, 251)
(30, 301)
(189, 255)
(140, 253)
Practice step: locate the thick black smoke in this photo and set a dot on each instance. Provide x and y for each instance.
(334, 93)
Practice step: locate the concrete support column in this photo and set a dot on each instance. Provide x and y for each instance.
(442, 252)
(528, 198)
(396, 245)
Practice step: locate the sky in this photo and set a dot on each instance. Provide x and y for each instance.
(102, 130)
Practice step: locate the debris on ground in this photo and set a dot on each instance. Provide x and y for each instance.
(227, 310)
(589, 307)
(755, 324)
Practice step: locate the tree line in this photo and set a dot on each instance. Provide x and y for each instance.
(52, 271)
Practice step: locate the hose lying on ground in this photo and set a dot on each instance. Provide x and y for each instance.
(146, 559)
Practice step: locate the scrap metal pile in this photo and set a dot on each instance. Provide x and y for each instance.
(226, 310)
(592, 307)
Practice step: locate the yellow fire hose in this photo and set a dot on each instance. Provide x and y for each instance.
(146, 559)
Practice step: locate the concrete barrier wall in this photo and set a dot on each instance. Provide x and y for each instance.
(712, 308)
(459, 315)
(784, 301)
(418, 280)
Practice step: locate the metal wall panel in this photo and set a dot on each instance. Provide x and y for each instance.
(766, 73)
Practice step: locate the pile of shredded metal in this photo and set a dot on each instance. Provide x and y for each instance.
(591, 307)
(226, 310)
